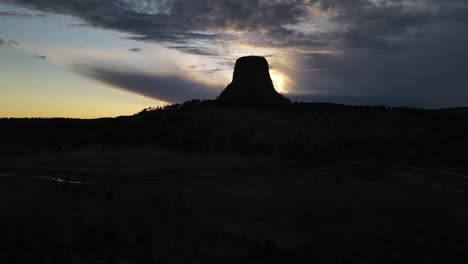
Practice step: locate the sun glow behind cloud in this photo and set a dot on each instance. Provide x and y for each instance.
(279, 81)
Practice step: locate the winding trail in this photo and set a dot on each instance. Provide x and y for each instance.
(89, 178)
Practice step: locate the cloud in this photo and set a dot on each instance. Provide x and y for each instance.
(135, 49)
(17, 14)
(381, 25)
(9, 42)
(211, 71)
(167, 88)
(177, 20)
(78, 25)
(386, 24)
(12, 42)
(431, 75)
(374, 24)
(195, 50)
(411, 51)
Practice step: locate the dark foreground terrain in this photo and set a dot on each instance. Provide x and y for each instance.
(199, 183)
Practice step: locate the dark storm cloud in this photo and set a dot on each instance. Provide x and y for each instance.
(392, 24)
(429, 71)
(395, 54)
(168, 88)
(176, 20)
(394, 51)
(362, 24)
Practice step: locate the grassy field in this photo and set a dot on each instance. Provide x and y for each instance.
(225, 209)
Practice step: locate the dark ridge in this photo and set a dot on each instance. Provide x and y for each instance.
(251, 85)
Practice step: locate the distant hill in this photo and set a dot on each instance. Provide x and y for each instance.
(303, 131)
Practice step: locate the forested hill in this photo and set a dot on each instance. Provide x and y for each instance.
(305, 131)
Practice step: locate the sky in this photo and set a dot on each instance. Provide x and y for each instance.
(94, 58)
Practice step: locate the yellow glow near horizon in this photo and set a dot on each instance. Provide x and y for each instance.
(29, 107)
(79, 99)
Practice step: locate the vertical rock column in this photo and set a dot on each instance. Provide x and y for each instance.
(251, 85)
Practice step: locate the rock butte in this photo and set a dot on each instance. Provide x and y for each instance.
(251, 85)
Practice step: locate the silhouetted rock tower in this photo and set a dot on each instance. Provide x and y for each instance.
(251, 85)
